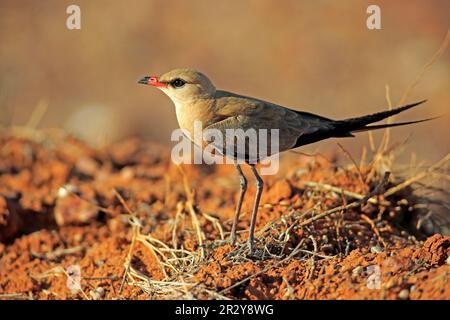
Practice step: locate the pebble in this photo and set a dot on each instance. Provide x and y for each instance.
(99, 262)
(404, 294)
(98, 293)
(448, 260)
(358, 270)
(66, 190)
(300, 172)
(376, 249)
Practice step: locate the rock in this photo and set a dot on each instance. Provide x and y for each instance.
(285, 203)
(98, 293)
(376, 249)
(358, 270)
(404, 294)
(99, 262)
(434, 251)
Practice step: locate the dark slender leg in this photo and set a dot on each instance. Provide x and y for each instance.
(259, 190)
(239, 204)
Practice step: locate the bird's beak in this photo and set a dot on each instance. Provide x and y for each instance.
(152, 81)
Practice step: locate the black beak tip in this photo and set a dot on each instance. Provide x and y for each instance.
(144, 80)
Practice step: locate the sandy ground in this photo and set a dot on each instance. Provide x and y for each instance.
(126, 223)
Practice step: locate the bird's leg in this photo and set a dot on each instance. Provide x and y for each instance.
(259, 190)
(243, 189)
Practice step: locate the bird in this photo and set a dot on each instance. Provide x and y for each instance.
(196, 99)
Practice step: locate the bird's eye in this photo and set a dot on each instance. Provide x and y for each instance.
(177, 83)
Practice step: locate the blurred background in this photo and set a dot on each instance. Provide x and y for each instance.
(316, 56)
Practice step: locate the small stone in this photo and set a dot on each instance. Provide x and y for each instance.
(297, 204)
(390, 283)
(448, 260)
(98, 293)
(376, 249)
(99, 262)
(66, 190)
(78, 237)
(127, 173)
(358, 270)
(300, 172)
(404, 294)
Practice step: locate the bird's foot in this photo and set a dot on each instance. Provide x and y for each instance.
(251, 246)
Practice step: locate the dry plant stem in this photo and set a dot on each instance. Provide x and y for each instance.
(363, 157)
(20, 296)
(272, 223)
(58, 253)
(328, 187)
(37, 114)
(293, 253)
(380, 153)
(350, 205)
(387, 132)
(215, 222)
(101, 209)
(311, 271)
(349, 156)
(135, 231)
(375, 229)
(127, 262)
(382, 148)
(191, 209)
(81, 289)
(433, 59)
(175, 223)
(315, 254)
(196, 223)
(147, 241)
(417, 177)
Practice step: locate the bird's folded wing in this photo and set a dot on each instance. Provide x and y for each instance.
(247, 113)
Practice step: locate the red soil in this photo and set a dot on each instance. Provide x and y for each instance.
(63, 204)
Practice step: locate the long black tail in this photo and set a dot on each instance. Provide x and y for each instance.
(359, 124)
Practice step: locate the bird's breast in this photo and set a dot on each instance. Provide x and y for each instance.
(193, 117)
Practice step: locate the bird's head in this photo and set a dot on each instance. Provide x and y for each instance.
(182, 85)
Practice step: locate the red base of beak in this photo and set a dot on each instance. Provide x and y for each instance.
(152, 81)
